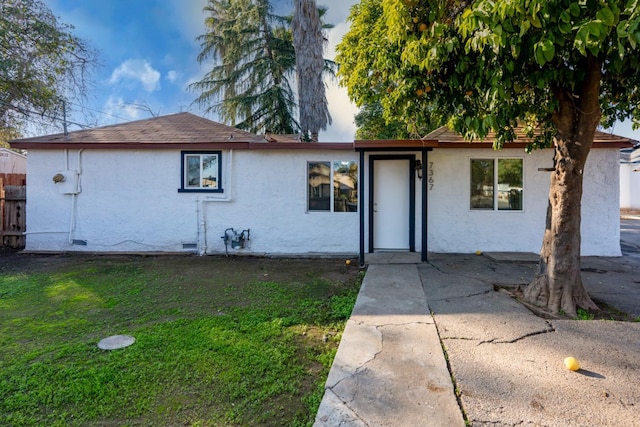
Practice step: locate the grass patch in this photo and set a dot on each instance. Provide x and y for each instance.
(222, 342)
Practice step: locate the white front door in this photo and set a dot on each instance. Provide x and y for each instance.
(391, 202)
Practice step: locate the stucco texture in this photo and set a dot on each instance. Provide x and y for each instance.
(128, 201)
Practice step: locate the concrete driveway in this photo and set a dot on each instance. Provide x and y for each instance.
(435, 344)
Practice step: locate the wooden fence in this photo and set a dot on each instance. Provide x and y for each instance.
(13, 200)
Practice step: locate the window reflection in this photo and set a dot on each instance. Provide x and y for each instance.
(509, 193)
(193, 171)
(210, 171)
(482, 184)
(332, 184)
(345, 187)
(201, 171)
(319, 186)
(510, 184)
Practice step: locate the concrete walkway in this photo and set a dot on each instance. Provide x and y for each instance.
(390, 369)
(507, 363)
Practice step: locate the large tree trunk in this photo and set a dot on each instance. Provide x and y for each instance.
(308, 43)
(558, 285)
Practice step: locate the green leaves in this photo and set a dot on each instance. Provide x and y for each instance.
(41, 63)
(496, 61)
(251, 85)
(606, 16)
(544, 51)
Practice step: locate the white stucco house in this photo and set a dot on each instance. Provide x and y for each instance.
(630, 178)
(182, 183)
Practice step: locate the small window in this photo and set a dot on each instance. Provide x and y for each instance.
(201, 172)
(332, 186)
(496, 184)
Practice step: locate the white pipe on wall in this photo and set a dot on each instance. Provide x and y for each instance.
(74, 195)
(201, 211)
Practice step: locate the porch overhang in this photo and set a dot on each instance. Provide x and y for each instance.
(422, 146)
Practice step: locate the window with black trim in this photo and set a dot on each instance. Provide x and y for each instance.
(201, 171)
(503, 175)
(332, 186)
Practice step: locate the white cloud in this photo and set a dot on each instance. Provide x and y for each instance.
(137, 70)
(337, 10)
(173, 76)
(118, 110)
(342, 110)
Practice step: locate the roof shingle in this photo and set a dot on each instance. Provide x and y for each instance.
(173, 128)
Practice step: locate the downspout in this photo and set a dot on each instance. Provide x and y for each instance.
(425, 205)
(201, 237)
(361, 182)
(76, 190)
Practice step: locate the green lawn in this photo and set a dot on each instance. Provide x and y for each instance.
(219, 341)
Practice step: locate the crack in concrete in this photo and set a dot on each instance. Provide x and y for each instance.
(488, 291)
(460, 338)
(450, 369)
(360, 368)
(385, 325)
(550, 328)
(351, 410)
(501, 423)
(457, 273)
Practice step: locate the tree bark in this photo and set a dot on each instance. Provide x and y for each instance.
(557, 285)
(308, 43)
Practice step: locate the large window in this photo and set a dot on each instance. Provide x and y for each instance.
(496, 184)
(201, 171)
(332, 186)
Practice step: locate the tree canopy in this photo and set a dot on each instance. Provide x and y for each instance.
(250, 83)
(372, 71)
(371, 124)
(560, 67)
(485, 65)
(42, 64)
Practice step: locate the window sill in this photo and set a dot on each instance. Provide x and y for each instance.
(200, 190)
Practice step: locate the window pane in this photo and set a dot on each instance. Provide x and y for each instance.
(319, 174)
(481, 183)
(510, 184)
(210, 171)
(193, 171)
(345, 186)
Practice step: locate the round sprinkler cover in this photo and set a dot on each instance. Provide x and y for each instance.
(116, 341)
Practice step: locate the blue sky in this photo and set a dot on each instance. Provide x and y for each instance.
(148, 49)
(147, 52)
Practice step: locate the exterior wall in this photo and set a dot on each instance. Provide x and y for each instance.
(454, 227)
(629, 186)
(600, 229)
(12, 162)
(128, 202)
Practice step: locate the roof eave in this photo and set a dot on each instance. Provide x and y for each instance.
(213, 145)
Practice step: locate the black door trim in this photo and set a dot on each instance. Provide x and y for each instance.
(412, 195)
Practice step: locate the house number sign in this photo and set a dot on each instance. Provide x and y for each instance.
(430, 176)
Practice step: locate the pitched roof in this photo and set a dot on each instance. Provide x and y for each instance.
(174, 128)
(181, 130)
(446, 136)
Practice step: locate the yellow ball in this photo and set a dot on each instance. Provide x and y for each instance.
(348, 262)
(571, 363)
(478, 252)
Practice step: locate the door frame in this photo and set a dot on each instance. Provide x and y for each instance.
(412, 195)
